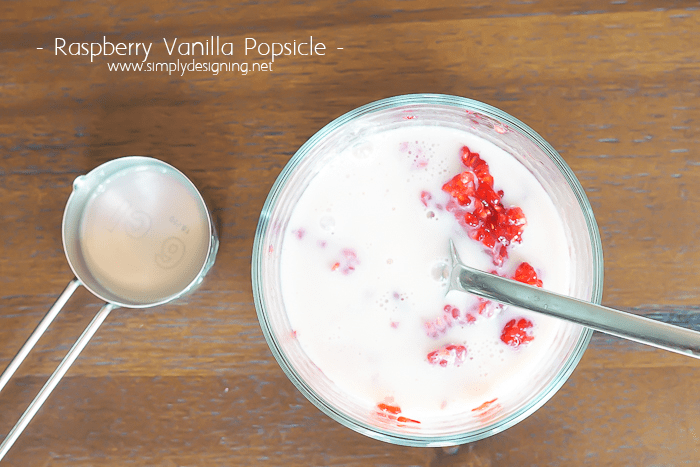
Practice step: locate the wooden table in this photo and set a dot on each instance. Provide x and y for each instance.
(613, 86)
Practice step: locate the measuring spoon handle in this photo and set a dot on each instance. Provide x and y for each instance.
(38, 332)
(55, 378)
(610, 321)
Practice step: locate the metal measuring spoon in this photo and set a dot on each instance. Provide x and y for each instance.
(615, 322)
(136, 233)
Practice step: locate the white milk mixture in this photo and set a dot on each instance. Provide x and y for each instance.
(364, 266)
(144, 234)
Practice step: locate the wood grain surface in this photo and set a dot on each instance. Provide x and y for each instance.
(614, 86)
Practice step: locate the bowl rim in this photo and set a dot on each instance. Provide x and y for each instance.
(258, 253)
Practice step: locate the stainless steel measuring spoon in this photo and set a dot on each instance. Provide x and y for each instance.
(610, 321)
(136, 233)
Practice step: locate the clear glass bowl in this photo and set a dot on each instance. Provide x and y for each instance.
(493, 125)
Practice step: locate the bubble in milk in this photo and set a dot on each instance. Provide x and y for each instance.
(363, 151)
(327, 223)
(440, 271)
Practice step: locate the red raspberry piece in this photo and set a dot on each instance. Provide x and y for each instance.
(500, 256)
(392, 412)
(457, 315)
(526, 274)
(470, 219)
(448, 355)
(438, 326)
(348, 263)
(406, 420)
(454, 208)
(487, 308)
(392, 409)
(450, 315)
(489, 222)
(478, 165)
(488, 410)
(425, 196)
(484, 406)
(489, 197)
(514, 224)
(517, 332)
(461, 188)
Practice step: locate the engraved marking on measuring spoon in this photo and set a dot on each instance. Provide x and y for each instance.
(136, 223)
(171, 253)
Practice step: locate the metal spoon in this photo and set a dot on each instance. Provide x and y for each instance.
(615, 322)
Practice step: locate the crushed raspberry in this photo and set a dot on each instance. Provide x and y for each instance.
(448, 355)
(488, 410)
(526, 274)
(473, 161)
(450, 315)
(430, 202)
(454, 208)
(488, 222)
(392, 409)
(438, 326)
(458, 316)
(487, 308)
(425, 196)
(391, 412)
(461, 188)
(517, 332)
(406, 420)
(484, 406)
(348, 263)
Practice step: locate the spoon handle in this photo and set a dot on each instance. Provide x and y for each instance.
(617, 323)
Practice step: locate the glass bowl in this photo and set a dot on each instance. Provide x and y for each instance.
(486, 122)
